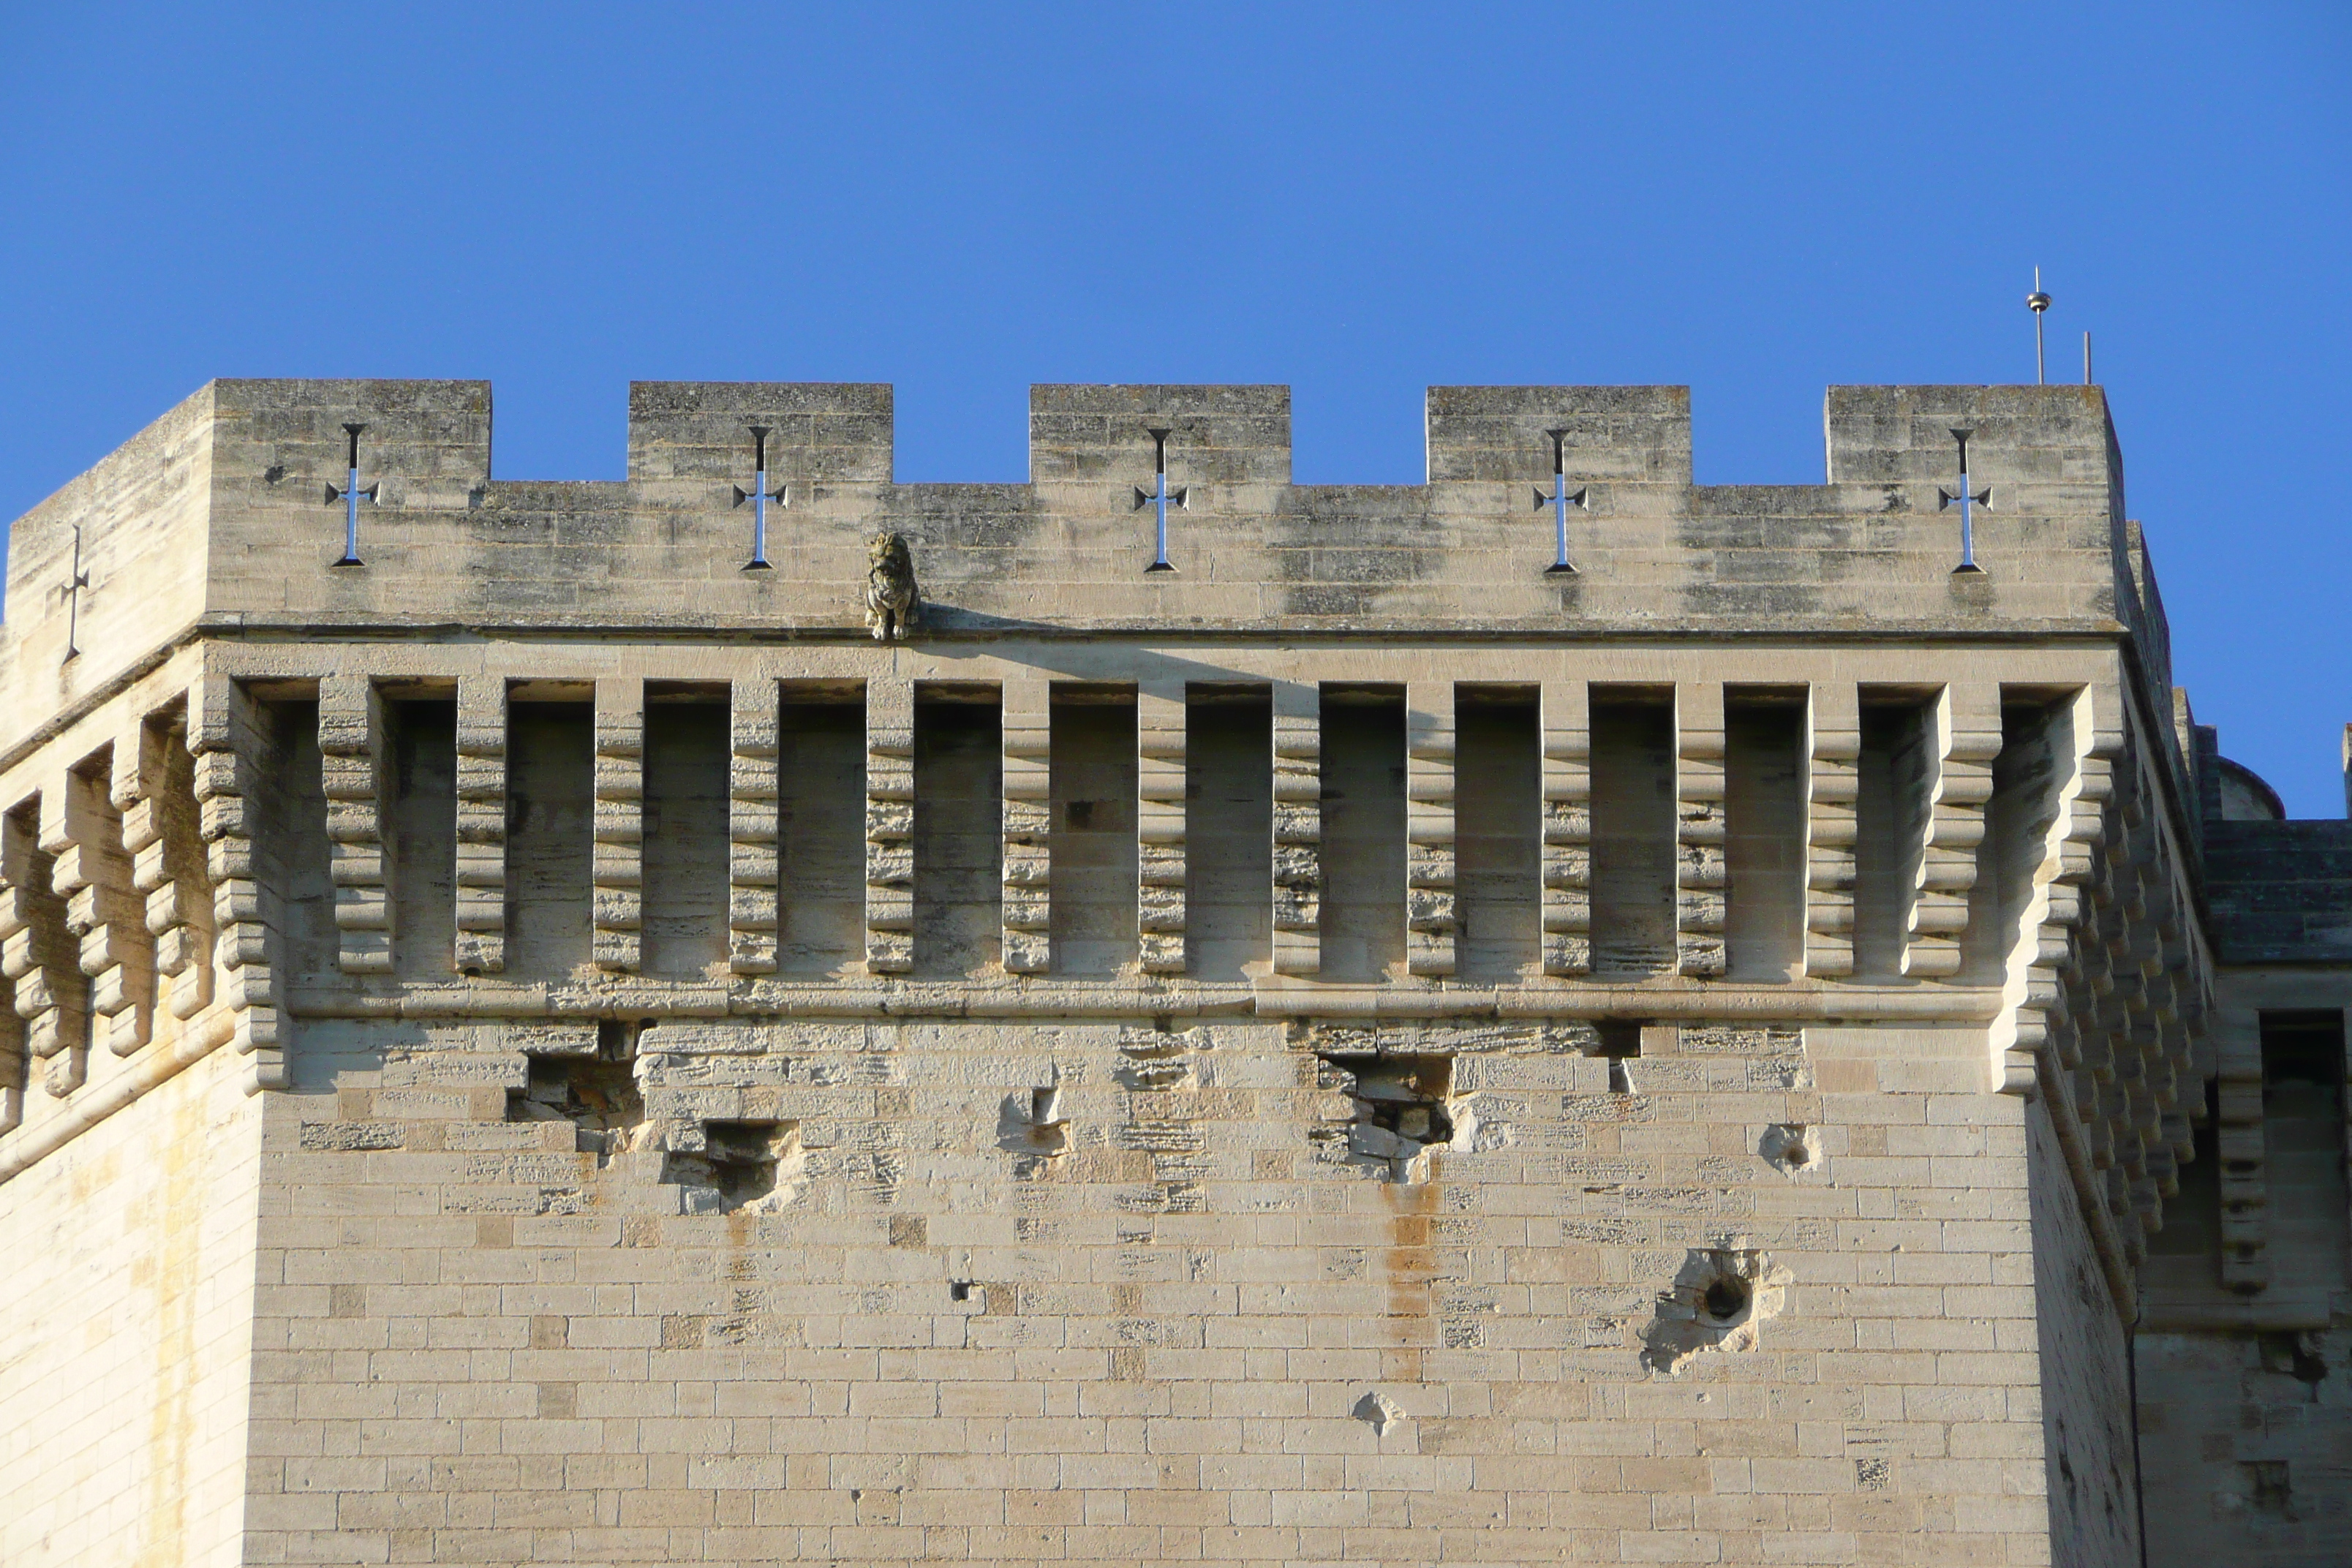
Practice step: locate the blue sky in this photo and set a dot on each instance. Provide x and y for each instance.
(1358, 200)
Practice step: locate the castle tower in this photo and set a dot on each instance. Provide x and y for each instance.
(550, 1042)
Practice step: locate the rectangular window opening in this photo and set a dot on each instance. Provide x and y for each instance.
(821, 832)
(958, 847)
(1891, 813)
(1497, 831)
(1633, 829)
(1764, 832)
(2036, 743)
(550, 837)
(686, 839)
(293, 866)
(1363, 831)
(421, 836)
(2303, 1145)
(1092, 786)
(1228, 830)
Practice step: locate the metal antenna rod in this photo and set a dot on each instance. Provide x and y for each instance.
(2086, 357)
(2038, 302)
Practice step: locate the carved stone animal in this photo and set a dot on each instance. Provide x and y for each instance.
(894, 605)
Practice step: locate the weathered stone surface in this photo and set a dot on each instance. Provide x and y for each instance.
(689, 1136)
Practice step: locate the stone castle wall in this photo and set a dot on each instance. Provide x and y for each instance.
(1356, 1047)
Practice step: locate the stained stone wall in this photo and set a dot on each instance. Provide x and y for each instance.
(1355, 1049)
(1184, 1318)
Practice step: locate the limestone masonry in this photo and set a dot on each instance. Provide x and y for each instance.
(757, 1014)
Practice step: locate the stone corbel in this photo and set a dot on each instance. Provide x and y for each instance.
(755, 818)
(1702, 877)
(889, 826)
(155, 786)
(1297, 828)
(1834, 745)
(38, 955)
(1027, 826)
(1160, 828)
(94, 874)
(620, 849)
(1566, 828)
(227, 743)
(482, 940)
(353, 750)
(1431, 918)
(1964, 740)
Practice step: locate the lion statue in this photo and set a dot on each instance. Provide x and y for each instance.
(893, 606)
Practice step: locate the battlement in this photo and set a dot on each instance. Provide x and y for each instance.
(220, 514)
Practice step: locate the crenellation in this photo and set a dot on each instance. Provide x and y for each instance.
(154, 786)
(1220, 436)
(39, 953)
(355, 744)
(1610, 434)
(690, 441)
(1339, 1000)
(233, 754)
(93, 872)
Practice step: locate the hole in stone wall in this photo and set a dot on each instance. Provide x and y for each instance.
(2269, 1488)
(1403, 1107)
(1621, 1042)
(1721, 1298)
(1725, 1300)
(597, 1094)
(1791, 1146)
(293, 866)
(2295, 1355)
(739, 1163)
